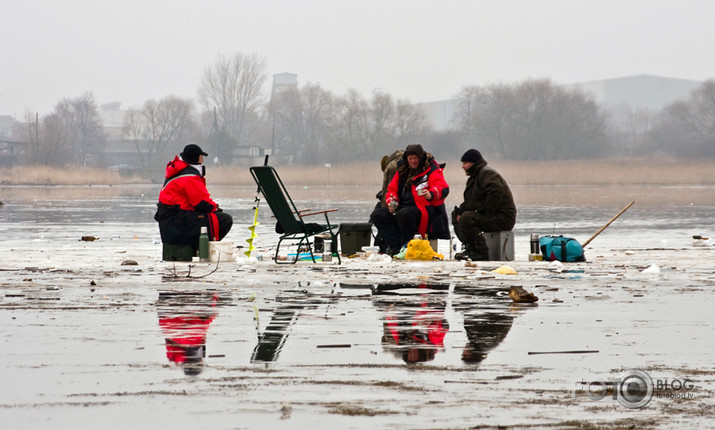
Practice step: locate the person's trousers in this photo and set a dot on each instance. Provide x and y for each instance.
(470, 224)
(398, 229)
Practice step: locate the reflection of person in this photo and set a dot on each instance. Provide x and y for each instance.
(487, 320)
(185, 332)
(414, 331)
(488, 206)
(185, 204)
(415, 202)
(485, 331)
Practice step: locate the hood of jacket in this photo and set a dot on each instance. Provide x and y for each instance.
(175, 166)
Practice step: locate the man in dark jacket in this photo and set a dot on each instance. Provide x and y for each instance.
(488, 206)
(185, 204)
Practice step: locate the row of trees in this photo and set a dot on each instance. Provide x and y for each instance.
(530, 120)
(533, 120)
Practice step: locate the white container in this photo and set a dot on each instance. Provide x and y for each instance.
(369, 250)
(327, 251)
(222, 251)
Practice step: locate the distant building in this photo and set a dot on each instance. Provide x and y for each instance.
(7, 126)
(639, 91)
(112, 117)
(442, 115)
(284, 82)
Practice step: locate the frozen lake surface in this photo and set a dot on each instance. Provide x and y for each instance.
(88, 341)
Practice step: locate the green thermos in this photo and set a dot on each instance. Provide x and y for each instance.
(204, 245)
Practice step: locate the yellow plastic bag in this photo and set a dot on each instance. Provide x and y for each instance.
(505, 270)
(420, 249)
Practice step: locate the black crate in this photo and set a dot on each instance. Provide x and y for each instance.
(353, 236)
(177, 252)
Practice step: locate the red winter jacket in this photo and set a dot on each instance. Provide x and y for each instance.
(186, 188)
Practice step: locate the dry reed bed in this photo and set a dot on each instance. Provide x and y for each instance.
(45, 175)
(557, 172)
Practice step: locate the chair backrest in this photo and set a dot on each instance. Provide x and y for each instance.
(275, 193)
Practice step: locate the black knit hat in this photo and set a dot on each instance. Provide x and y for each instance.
(191, 153)
(472, 156)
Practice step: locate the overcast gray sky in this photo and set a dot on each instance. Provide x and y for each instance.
(130, 51)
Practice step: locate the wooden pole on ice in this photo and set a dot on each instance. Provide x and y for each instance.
(607, 224)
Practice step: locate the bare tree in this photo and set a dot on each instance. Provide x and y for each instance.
(314, 126)
(48, 140)
(410, 122)
(233, 86)
(366, 130)
(83, 124)
(629, 128)
(350, 129)
(534, 120)
(488, 118)
(287, 134)
(687, 128)
(157, 125)
(317, 115)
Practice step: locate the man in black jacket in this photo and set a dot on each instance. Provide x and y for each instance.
(488, 206)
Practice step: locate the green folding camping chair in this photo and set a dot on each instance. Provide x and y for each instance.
(287, 215)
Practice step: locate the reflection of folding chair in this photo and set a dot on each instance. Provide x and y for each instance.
(287, 215)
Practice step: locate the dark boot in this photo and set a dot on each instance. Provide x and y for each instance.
(478, 249)
(464, 255)
(467, 248)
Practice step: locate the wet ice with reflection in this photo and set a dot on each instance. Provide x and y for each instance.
(383, 324)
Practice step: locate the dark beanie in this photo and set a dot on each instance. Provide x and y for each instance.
(471, 156)
(414, 150)
(191, 153)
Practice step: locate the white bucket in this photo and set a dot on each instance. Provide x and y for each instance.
(222, 251)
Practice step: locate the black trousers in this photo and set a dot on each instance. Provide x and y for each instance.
(180, 227)
(394, 231)
(471, 223)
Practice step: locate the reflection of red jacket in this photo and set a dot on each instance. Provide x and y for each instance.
(427, 327)
(436, 185)
(186, 188)
(184, 332)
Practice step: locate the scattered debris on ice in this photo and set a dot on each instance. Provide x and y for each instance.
(518, 294)
(505, 270)
(653, 268)
(379, 258)
(556, 266)
(699, 240)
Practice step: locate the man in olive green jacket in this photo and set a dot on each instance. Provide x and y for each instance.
(488, 206)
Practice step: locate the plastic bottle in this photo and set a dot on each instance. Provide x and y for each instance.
(204, 245)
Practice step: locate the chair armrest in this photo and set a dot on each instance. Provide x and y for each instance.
(316, 213)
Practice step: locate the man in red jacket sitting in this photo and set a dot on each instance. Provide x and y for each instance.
(185, 204)
(415, 202)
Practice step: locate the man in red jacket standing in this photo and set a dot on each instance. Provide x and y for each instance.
(185, 204)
